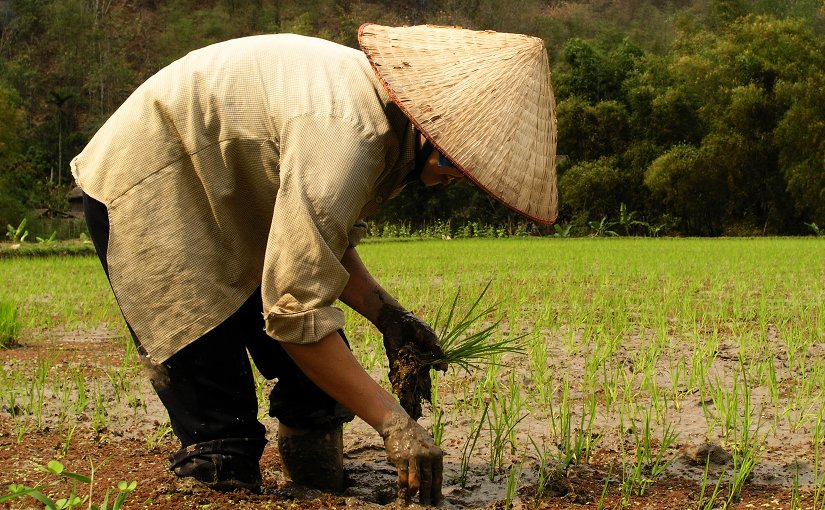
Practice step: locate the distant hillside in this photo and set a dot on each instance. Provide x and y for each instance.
(65, 65)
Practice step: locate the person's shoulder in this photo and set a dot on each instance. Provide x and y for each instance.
(284, 42)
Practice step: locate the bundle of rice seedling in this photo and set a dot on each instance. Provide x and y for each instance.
(476, 348)
(463, 344)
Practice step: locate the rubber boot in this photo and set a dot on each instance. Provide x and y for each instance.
(313, 458)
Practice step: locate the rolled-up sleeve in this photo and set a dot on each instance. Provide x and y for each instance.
(328, 168)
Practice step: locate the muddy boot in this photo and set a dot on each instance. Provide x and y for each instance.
(313, 457)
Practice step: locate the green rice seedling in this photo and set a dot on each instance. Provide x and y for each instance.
(502, 419)
(727, 405)
(796, 497)
(12, 382)
(595, 363)
(37, 397)
(773, 387)
(513, 478)
(469, 448)
(610, 385)
(645, 366)
(22, 426)
(544, 473)
(575, 443)
(119, 381)
(748, 447)
(64, 394)
(438, 412)
(515, 407)
(81, 394)
(409, 373)
(491, 376)
(37, 388)
(260, 392)
(542, 380)
(744, 460)
(710, 503)
(66, 442)
(819, 472)
(628, 468)
(9, 324)
(131, 356)
(585, 439)
(560, 419)
(650, 462)
(630, 392)
(371, 355)
(602, 497)
(802, 404)
(100, 414)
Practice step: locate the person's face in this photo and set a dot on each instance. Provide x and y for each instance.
(433, 174)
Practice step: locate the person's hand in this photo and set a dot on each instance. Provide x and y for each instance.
(416, 457)
(401, 327)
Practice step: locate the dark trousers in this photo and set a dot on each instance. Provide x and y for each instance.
(208, 387)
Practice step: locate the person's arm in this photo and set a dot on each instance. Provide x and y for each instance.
(362, 292)
(331, 366)
(399, 326)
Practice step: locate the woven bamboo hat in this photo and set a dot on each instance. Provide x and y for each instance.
(483, 99)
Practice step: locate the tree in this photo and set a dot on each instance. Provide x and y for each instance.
(800, 136)
(11, 121)
(690, 188)
(592, 189)
(588, 132)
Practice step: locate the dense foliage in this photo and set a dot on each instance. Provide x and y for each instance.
(698, 117)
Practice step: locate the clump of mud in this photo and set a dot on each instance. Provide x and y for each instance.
(410, 379)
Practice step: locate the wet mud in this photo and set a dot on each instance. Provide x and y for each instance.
(410, 379)
(135, 442)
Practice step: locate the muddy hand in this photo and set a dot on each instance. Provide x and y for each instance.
(416, 457)
(401, 327)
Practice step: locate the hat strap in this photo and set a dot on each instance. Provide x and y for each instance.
(422, 154)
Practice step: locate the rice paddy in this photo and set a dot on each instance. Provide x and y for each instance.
(702, 359)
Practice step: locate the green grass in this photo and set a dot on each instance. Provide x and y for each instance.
(9, 324)
(63, 293)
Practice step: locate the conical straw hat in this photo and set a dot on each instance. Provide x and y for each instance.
(484, 100)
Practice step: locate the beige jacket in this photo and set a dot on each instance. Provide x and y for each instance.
(246, 163)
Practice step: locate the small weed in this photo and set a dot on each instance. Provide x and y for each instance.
(154, 439)
(73, 499)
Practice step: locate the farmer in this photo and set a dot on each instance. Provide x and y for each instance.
(225, 199)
